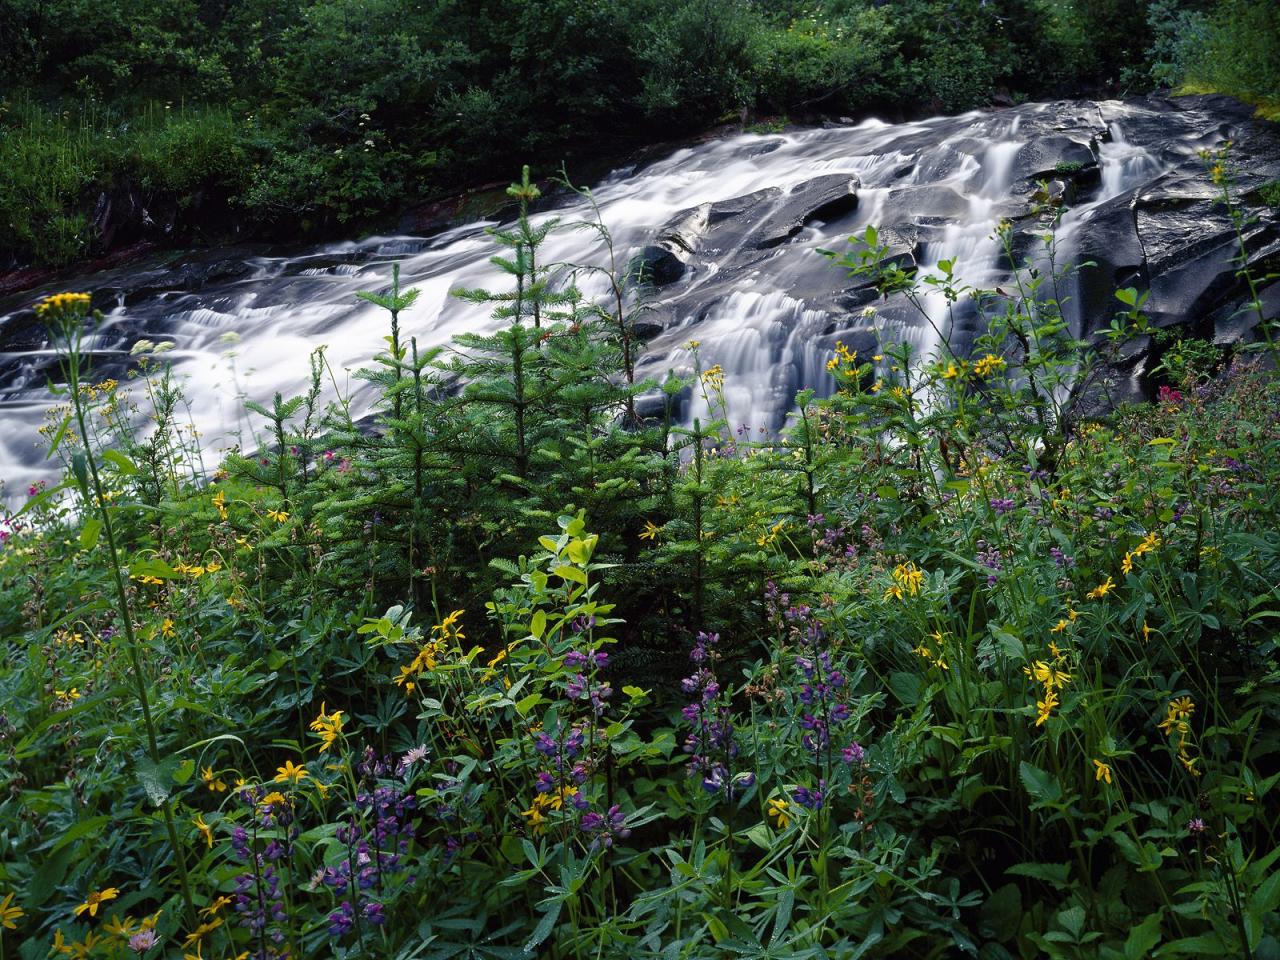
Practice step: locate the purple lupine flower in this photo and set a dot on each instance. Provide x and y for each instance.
(1061, 559)
(342, 919)
(606, 827)
(1002, 505)
(810, 797)
(990, 557)
(853, 753)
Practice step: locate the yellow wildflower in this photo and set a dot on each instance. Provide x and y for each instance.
(166, 627)
(203, 828)
(448, 628)
(777, 809)
(96, 899)
(1045, 707)
(9, 914)
(909, 577)
(650, 531)
(714, 378)
(1126, 565)
(329, 726)
(537, 821)
(60, 302)
(216, 907)
(1062, 625)
(200, 932)
(988, 365)
(220, 501)
(122, 927)
(1101, 771)
(211, 781)
(290, 773)
(1102, 589)
(279, 516)
(1050, 676)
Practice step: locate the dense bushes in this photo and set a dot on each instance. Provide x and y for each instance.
(1235, 49)
(963, 672)
(330, 112)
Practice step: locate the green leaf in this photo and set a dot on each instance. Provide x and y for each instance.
(1041, 784)
(566, 572)
(80, 468)
(40, 498)
(1055, 874)
(155, 778)
(538, 625)
(122, 463)
(152, 567)
(1142, 938)
(544, 927)
(89, 533)
(58, 437)
(528, 703)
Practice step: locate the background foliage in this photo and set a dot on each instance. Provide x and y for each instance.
(313, 115)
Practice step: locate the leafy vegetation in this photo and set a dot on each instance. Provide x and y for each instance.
(322, 115)
(963, 671)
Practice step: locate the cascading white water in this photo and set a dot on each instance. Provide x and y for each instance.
(769, 325)
(1123, 166)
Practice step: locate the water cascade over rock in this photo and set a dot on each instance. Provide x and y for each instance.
(729, 232)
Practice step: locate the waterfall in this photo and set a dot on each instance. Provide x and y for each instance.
(767, 312)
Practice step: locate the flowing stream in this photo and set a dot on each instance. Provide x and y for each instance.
(767, 315)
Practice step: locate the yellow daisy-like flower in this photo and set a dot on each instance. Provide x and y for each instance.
(777, 809)
(1102, 589)
(290, 773)
(59, 303)
(122, 927)
(329, 726)
(9, 914)
(203, 829)
(989, 365)
(1045, 707)
(1126, 565)
(537, 822)
(1101, 771)
(220, 501)
(95, 900)
(200, 932)
(216, 907)
(279, 516)
(1050, 676)
(650, 531)
(909, 577)
(166, 628)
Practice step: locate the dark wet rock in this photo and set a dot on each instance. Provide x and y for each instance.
(824, 198)
(1051, 156)
(658, 264)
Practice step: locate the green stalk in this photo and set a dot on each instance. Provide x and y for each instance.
(72, 369)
